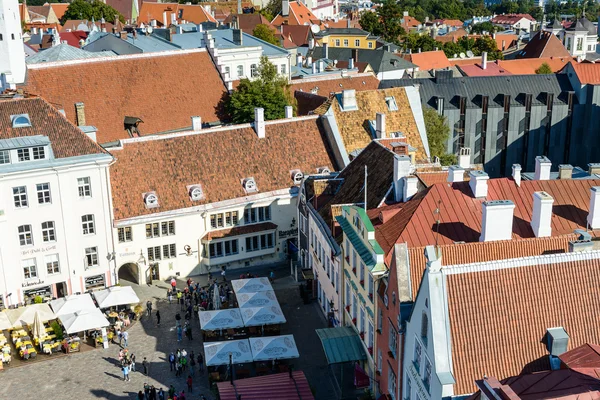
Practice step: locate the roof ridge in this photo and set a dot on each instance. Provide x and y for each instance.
(331, 77)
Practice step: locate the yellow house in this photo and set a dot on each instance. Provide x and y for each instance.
(352, 38)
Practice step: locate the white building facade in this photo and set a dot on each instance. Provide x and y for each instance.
(12, 54)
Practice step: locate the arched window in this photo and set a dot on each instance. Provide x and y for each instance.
(424, 328)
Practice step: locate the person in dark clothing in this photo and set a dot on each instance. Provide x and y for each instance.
(177, 319)
(200, 363)
(189, 383)
(172, 361)
(153, 394)
(157, 318)
(140, 395)
(182, 303)
(145, 365)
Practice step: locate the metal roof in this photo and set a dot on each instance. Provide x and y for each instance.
(64, 52)
(379, 59)
(224, 40)
(24, 141)
(341, 344)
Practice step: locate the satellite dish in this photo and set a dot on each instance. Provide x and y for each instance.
(315, 28)
(470, 54)
(149, 29)
(462, 55)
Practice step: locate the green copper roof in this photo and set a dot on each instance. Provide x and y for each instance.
(341, 344)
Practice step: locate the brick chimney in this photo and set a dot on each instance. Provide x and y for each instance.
(80, 114)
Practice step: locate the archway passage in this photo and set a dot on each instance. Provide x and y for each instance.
(129, 272)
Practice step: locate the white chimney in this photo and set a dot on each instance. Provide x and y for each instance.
(401, 169)
(516, 174)
(259, 122)
(456, 173)
(542, 168)
(165, 18)
(289, 112)
(478, 181)
(229, 86)
(484, 60)
(299, 60)
(173, 19)
(541, 220)
(309, 61)
(593, 218)
(311, 43)
(349, 99)
(410, 186)
(380, 126)
(497, 220)
(196, 124)
(351, 63)
(314, 68)
(464, 157)
(325, 51)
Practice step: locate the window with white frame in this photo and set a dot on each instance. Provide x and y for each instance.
(354, 262)
(48, 231)
(357, 42)
(354, 307)
(29, 268)
(362, 322)
(348, 294)
(392, 383)
(253, 70)
(260, 242)
(370, 45)
(154, 253)
(240, 71)
(362, 274)
(52, 265)
(424, 328)
(393, 340)
(371, 336)
(303, 223)
(417, 355)
(167, 228)
(23, 155)
(283, 69)
(371, 286)
(379, 360)
(20, 196)
(4, 157)
(156, 229)
(84, 187)
(91, 257)
(43, 193)
(39, 153)
(257, 214)
(87, 224)
(152, 230)
(25, 236)
(408, 388)
(337, 42)
(222, 220)
(223, 249)
(345, 42)
(169, 250)
(124, 234)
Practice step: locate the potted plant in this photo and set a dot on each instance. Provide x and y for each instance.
(362, 283)
(38, 299)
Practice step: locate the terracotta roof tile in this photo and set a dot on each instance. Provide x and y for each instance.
(521, 66)
(449, 22)
(218, 160)
(72, 38)
(309, 103)
(299, 15)
(59, 9)
(587, 73)
(431, 178)
(191, 13)
(430, 60)
(120, 86)
(543, 45)
(334, 84)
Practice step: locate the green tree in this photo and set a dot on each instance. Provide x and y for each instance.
(438, 133)
(272, 8)
(544, 69)
(369, 21)
(414, 42)
(263, 32)
(81, 9)
(452, 49)
(385, 22)
(486, 26)
(268, 90)
(489, 45)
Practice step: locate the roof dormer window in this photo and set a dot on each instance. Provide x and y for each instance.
(196, 193)
(250, 185)
(391, 103)
(151, 200)
(297, 176)
(20, 120)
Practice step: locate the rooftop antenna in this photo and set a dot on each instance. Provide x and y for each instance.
(437, 213)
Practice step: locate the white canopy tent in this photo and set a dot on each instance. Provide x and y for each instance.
(258, 316)
(25, 315)
(72, 303)
(4, 321)
(116, 296)
(81, 321)
(257, 299)
(273, 348)
(220, 319)
(217, 353)
(251, 285)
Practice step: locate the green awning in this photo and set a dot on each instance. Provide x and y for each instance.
(341, 344)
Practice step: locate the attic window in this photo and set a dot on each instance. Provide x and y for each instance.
(249, 185)
(196, 193)
(391, 103)
(20, 120)
(151, 200)
(297, 176)
(323, 170)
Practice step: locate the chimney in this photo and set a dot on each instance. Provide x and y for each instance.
(165, 19)
(80, 114)
(478, 181)
(309, 61)
(405, 13)
(229, 86)
(593, 218)
(497, 220)
(299, 60)
(325, 51)
(349, 23)
(152, 23)
(349, 99)
(314, 68)
(557, 341)
(484, 60)
(123, 35)
(196, 124)
(410, 187)
(289, 112)
(464, 157)
(434, 258)
(583, 242)
(351, 63)
(259, 122)
(541, 220)
(34, 31)
(237, 37)
(401, 169)
(380, 126)
(516, 174)
(565, 171)
(321, 65)
(594, 168)
(173, 19)
(542, 168)
(239, 7)
(311, 43)
(456, 173)
(285, 8)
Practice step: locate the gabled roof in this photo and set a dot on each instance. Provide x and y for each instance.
(509, 19)
(586, 356)
(218, 160)
(247, 22)
(66, 139)
(41, 11)
(543, 45)
(326, 85)
(379, 59)
(224, 40)
(297, 34)
(299, 15)
(143, 43)
(587, 73)
(64, 52)
(72, 38)
(409, 22)
(492, 69)
(448, 22)
(60, 9)
(527, 66)
(194, 89)
(191, 13)
(430, 60)
(124, 7)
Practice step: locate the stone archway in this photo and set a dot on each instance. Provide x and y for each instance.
(130, 272)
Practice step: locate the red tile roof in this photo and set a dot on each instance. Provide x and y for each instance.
(448, 22)
(278, 387)
(586, 356)
(543, 45)
(430, 60)
(72, 38)
(431, 178)
(492, 69)
(506, 19)
(297, 34)
(218, 160)
(409, 23)
(335, 84)
(121, 86)
(299, 15)
(60, 9)
(587, 73)
(190, 13)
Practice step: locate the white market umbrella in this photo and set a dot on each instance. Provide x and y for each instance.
(259, 316)
(273, 348)
(217, 353)
(37, 329)
(257, 299)
(25, 315)
(116, 296)
(83, 320)
(4, 321)
(216, 298)
(220, 319)
(251, 285)
(72, 303)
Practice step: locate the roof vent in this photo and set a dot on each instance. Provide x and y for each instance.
(556, 340)
(150, 199)
(594, 168)
(20, 120)
(323, 170)
(249, 185)
(464, 157)
(196, 193)
(349, 100)
(296, 176)
(583, 242)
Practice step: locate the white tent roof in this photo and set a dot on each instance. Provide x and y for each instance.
(221, 319)
(4, 321)
(217, 353)
(257, 299)
(80, 321)
(258, 316)
(72, 303)
(273, 348)
(25, 315)
(116, 296)
(251, 285)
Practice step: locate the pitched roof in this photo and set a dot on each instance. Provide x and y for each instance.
(66, 139)
(64, 52)
(430, 60)
(527, 66)
(449, 22)
(586, 356)
(43, 11)
(511, 18)
(60, 9)
(409, 22)
(543, 45)
(73, 37)
(492, 69)
(297, 34)
(326, 85)
(379, 59)
(498, 313)
(125, 84)
(247, 22)
(87, 26)
(279, 386)
(188, 12)
(360, 66)
(124, 7)
(299, 15)
(587, 73)
(217, 159)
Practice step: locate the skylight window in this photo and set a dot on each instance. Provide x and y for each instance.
(20, 120)
(391, 103)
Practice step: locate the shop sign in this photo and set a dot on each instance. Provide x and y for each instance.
(38, 250)
(93, 281)
(127, 254)
(285, 234)
(45, 291)
(423, 394)
(32, 283)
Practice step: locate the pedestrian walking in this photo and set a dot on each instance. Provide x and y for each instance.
(179, 369)
(184, 362)
(179, 333)
(181, 301)
(125, 370)
(145, 365)
(173, 284)
(149, 307)
(200, 363)
(125, 337)
(141, 396)
(181, 395)
(157, 318)
(153, 393)
(188, 332)
(172, 361)
(223, 274)
(177, 319)
(146, 391)
(189, 383)
(192, 363)
(120, 337)
(171, 391)
(169, 295)
(132, 359)
(161, 394)
(272, 276)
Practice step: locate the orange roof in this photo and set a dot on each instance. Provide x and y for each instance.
(433, 177)
(505, 41)
(335, 84)
(299, 15)
(342, 23)
(448, 22)
(192, 13)
(430, 60)
(587, 73)
(410, 22)
(520, 66)
(543, 45)
(59, 9)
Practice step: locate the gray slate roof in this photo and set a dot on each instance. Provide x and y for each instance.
(379, 59)
(342, 31)
(64, 52)
(224, 40)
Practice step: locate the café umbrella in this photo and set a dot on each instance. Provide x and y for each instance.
(37, 329)
(116, 296)
(273, 348)
(220, 319)
(251, 285)
(217, 353)
(24, 315)
(4, 321)
(260, 316)
(81, 321)
(72, 303)
(257, 299)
